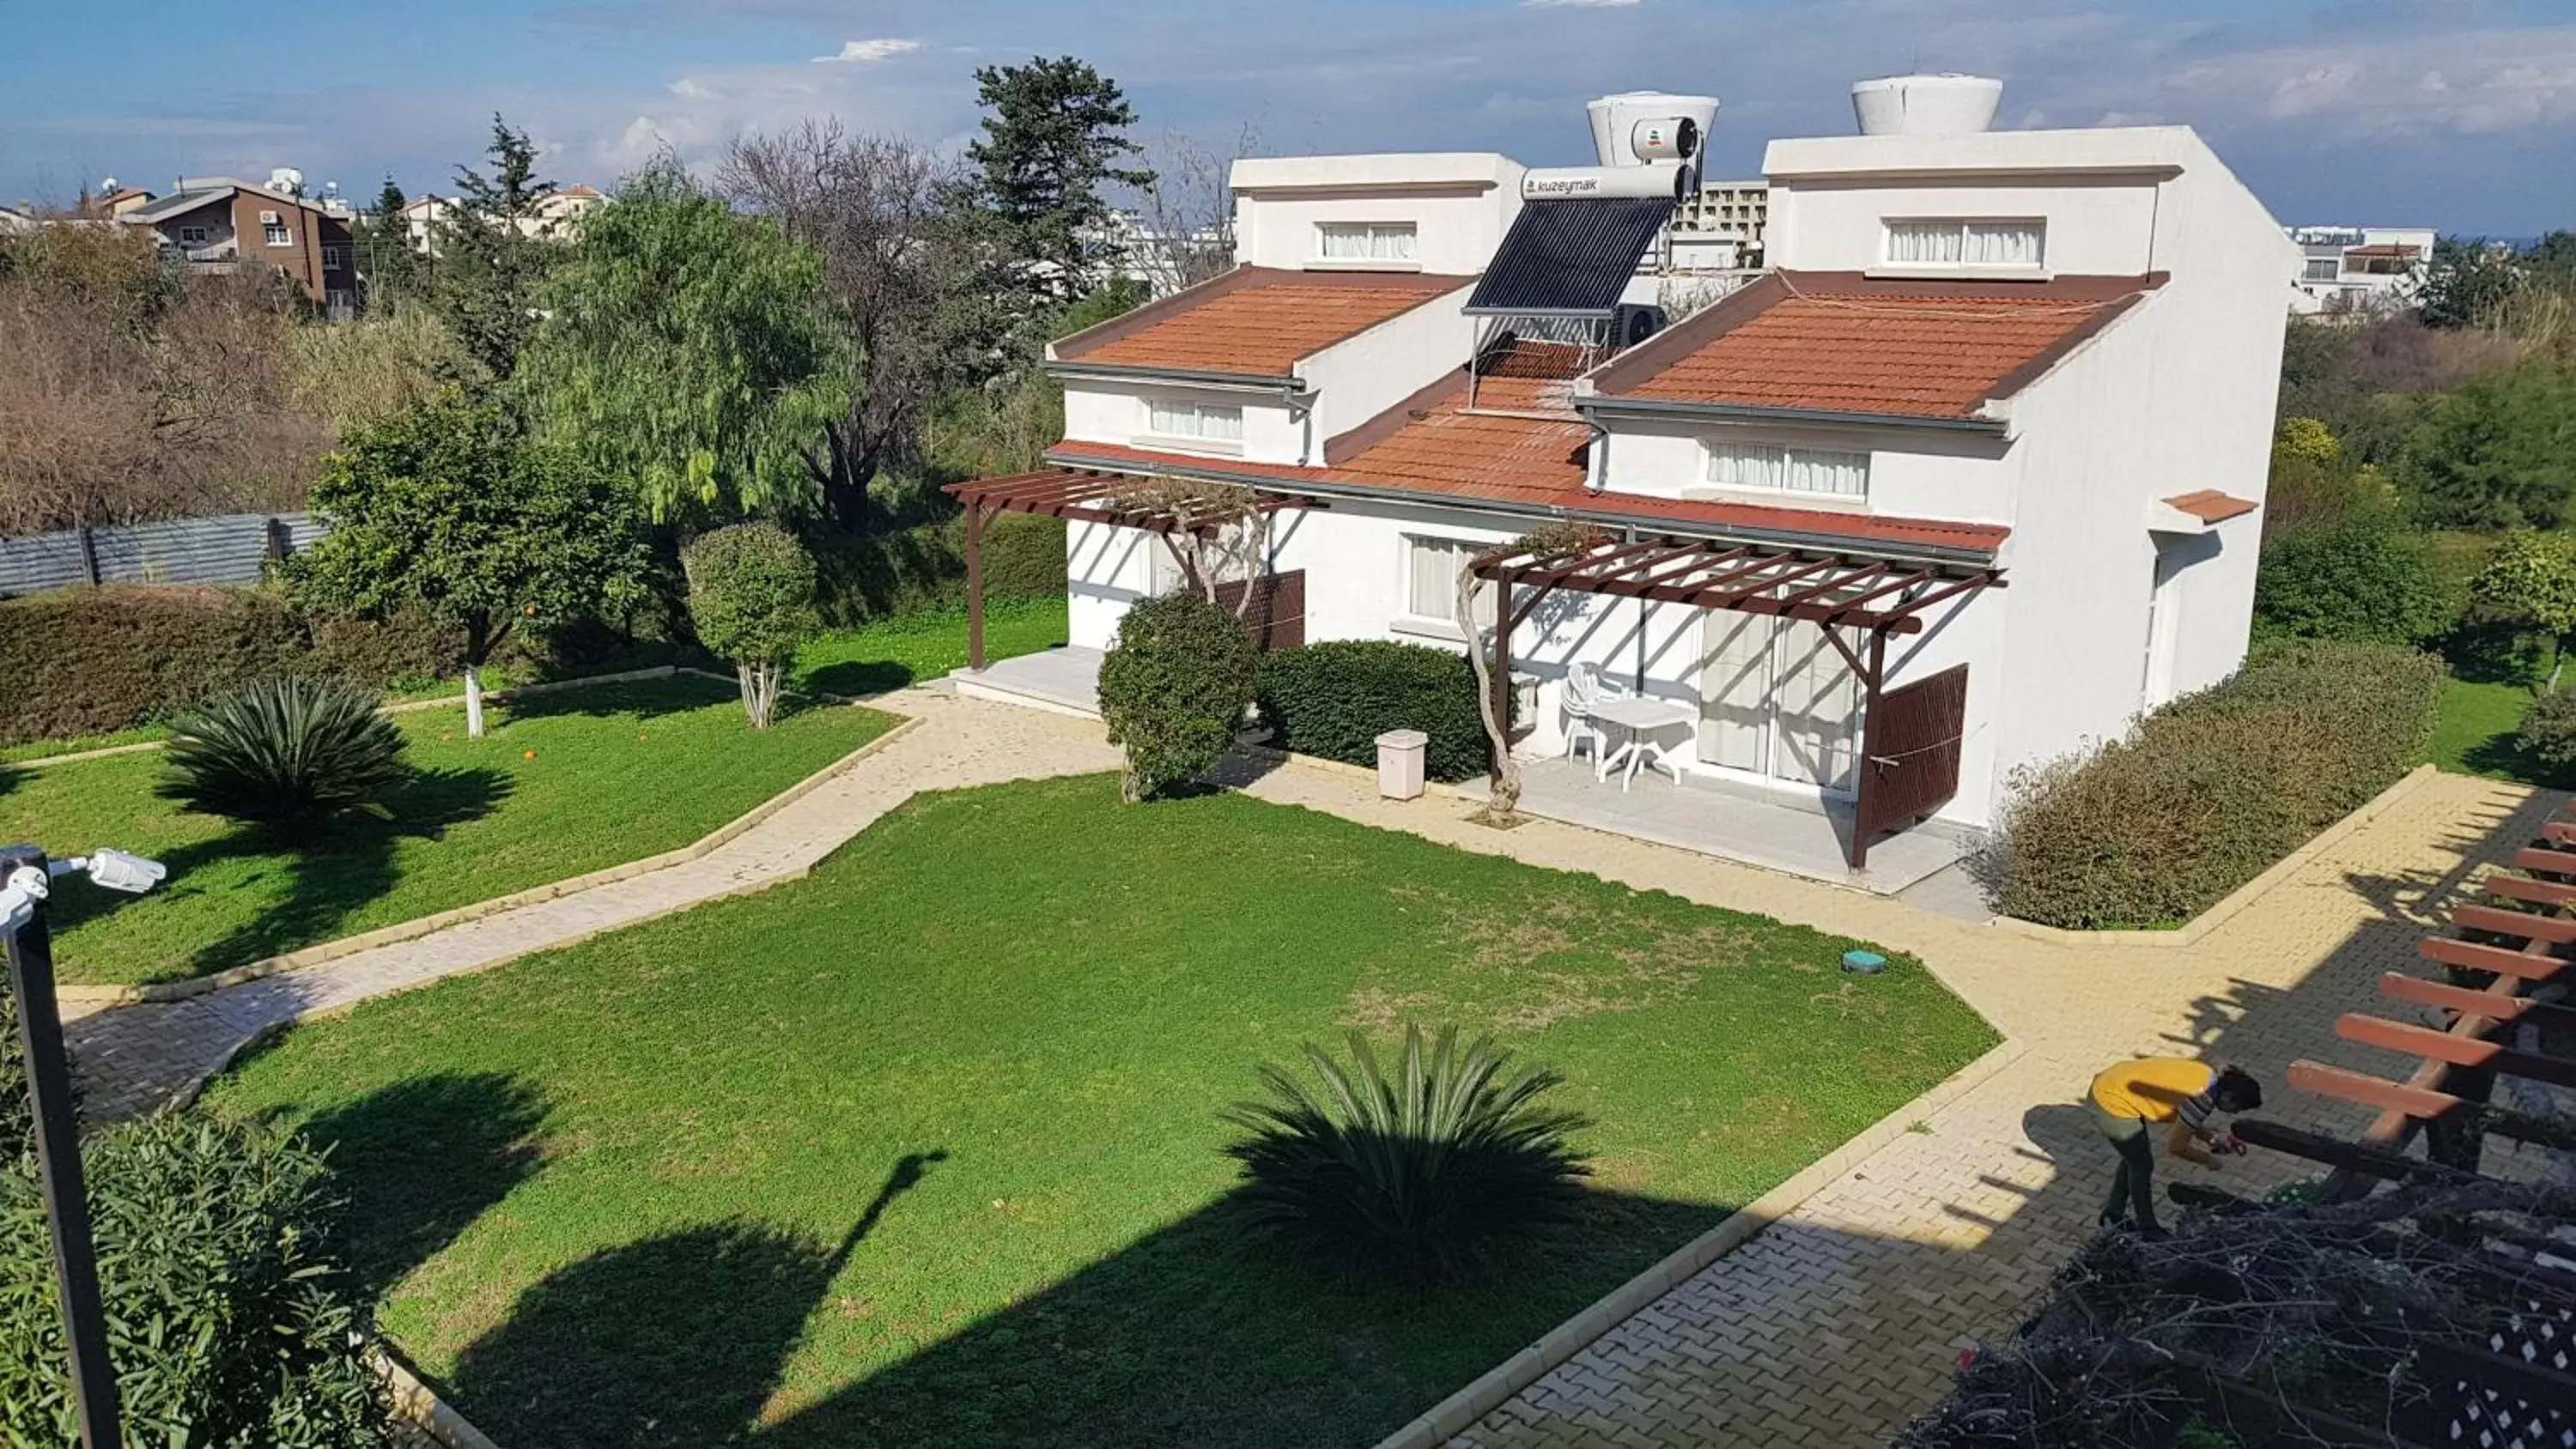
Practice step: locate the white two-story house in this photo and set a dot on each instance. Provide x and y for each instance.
(1968, 480)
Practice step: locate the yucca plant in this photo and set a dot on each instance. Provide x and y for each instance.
(1415, 1174)
(286, 753)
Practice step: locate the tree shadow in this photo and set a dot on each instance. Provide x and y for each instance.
(2504, 755)
(1202, 1333)
(677, 1340)
(324, 879)
(420, 1160)
(642, 698)
(854, 678)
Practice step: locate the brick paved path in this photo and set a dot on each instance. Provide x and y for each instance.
(1843, 1321)
(1838, 1324)
(132, 1058)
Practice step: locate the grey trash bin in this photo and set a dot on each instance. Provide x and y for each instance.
(1399, 763)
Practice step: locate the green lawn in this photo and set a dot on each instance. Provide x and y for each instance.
(2476, 732)
(922, 1150)
(567, 783)
(910, 648)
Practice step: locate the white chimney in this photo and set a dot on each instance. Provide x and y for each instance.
(1948, 104)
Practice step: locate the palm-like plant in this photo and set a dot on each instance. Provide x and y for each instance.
(286, 753)
(1416, 1174)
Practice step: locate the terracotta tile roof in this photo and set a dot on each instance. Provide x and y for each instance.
(1255, 322)
(1447, 452)
(1843, 343)
(2211, 506)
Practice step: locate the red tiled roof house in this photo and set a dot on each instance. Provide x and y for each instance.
(1967, 481)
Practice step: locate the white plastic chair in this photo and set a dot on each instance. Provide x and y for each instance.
(1585, 686)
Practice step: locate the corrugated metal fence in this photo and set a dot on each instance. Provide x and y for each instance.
(233, 549)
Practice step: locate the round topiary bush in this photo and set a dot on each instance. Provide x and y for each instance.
(1334, 699)
(286, 753)
(751, 598)
(1419, 1173)
(2549, 729)
(1173, 689)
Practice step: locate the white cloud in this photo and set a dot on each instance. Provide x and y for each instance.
(867, 52)
(690, 88)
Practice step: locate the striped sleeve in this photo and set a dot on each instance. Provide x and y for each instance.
(2194, 1110)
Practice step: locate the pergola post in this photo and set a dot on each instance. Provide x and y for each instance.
(1502, 682)
(975, 584)
(1876, 673)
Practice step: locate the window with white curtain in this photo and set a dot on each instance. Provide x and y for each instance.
(1958, 242)
(1431, 582)
(1208, 422)
(1788, 470)
(1366, 241)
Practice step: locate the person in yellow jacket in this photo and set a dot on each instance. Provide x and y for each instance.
(2130, 1099)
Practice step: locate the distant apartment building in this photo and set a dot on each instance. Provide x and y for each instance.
(2358, 269)
(220, 223)
(558, 214)
(1719, 228)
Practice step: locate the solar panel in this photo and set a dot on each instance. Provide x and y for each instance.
(1570, 256)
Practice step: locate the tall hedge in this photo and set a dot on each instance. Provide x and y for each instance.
(1334, 699)
(924, 567)
(1173, 687)
(2210, 791)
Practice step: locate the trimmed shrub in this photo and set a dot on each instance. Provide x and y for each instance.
(1173, 688)
(1334, 699)
(228, 1319)
(1416, 1174)
(2549, 729)
(2364, 578)
(91, 661)
(751, 599)
(2208, 792)
(287, 753)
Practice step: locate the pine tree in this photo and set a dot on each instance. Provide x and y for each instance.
(387, 265)
(1056, 132)
(491, 253)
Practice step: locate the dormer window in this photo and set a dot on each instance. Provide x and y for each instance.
(1202, 427)
(1967, 244)
(1383, 244)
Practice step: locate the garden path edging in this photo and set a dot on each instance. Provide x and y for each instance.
(1461, 1411)
(418, 1409)
(329, 951)
(2235, 902)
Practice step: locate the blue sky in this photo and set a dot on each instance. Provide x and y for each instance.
(2455, 113)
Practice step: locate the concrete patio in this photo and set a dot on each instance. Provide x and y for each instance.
(1063, 680)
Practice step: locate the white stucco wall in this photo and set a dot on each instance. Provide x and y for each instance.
(1121, 413)
(2099, 226)
(1460, 204)
(1360, 377)
(1913, 472)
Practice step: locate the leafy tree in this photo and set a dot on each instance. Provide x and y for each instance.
(2363, 578)
(386, 262)
(909, 278)
(751, 598)
(447, 505)
(2467, 282)
(489, 254)
(2498, 453)
(690, 351)
(1173, 688)
(1054, 138)
(2530, 581)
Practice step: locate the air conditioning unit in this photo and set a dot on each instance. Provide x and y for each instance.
(268, 218)
(1634, 322)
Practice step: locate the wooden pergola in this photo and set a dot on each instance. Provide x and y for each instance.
(1911, 737)
(1083, 495)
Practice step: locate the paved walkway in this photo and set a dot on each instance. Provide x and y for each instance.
(133, 1058)
(1840, 1323)
(1844, 1321)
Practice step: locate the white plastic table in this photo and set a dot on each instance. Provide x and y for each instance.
(1639, 716)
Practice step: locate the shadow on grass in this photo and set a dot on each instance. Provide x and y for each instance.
(324, 879)
(853, 678)
(2504, 755)
(677, 1340)
(642, 698)
(421, 1160)
(1195, 1334)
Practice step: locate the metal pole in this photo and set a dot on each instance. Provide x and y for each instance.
(58, 1164)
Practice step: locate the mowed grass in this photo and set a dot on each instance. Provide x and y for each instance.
(924, 1149)
(2478, 732)
(912, 648)
(563, 784)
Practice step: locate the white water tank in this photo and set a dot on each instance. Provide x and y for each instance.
(1636, 127)
(1926, 105)
(286, 179)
